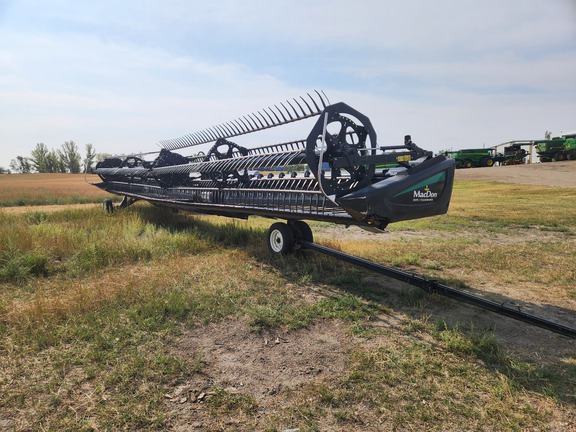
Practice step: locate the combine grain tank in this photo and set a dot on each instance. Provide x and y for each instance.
(333, 175)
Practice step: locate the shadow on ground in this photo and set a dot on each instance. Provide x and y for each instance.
(549, 354)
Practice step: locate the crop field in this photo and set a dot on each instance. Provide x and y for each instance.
(150, 320)
(45, 189)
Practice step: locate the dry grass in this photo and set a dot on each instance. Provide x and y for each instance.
(495, 236)
(525, 205)
(91, 306)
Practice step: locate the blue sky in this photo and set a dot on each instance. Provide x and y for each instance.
(124, 75)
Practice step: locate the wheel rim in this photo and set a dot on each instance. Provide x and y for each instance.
(276, 241)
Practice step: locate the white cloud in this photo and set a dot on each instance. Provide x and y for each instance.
(124, 75)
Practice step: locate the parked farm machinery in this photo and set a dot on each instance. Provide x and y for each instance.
(470, 158)
(556, 149)
(474, 158)
(338, 174)
(332, 175)
(513, 155)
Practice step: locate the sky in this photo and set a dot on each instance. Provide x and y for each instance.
(124, 75)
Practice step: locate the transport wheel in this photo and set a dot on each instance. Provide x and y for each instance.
(489, 162)
(280, 239)
(468, 163)
(559, 157)
(302, 231)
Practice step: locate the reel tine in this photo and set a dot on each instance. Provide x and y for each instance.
(268, 125)
(233, 130)
(318, 109)
(250, 125)
(210, 135)
(326, 97)
(223, 132)
(281, 113)
(240, 125)
(293, 109)
(308, 106)
(253, 116)
(215, 132)
(206, 133)
(179, 143)
(227, 127)
(270, 117)
(287, 112)
(205, 138)
(234, 127)
(174, 144)
(191, 138)
(198, 138)
(247, 126)
(195, 139)
(295, 112)
(277, 118)
(300, 106)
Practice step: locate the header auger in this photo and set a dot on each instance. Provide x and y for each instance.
(338, 174)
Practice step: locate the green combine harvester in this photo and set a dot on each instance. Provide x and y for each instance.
(472, 158)
(556, 149)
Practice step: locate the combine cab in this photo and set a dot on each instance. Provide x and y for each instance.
(332, 175)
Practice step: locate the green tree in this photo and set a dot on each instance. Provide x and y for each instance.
(89, 159)
(39, 158)
(4, 170)
(53, 162)
(61, 165)
(20, 165)
(70, 157)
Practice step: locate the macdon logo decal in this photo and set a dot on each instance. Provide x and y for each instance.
(426, 195)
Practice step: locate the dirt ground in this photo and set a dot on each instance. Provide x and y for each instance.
(560, 174)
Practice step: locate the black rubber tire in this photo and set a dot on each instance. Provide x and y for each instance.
(559, 157)
(488, 162)
(468, 163)
(280, 239)
(302, 231)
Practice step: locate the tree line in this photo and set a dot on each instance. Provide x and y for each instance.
(66, 159)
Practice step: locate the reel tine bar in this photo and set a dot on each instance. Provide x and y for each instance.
(253, 122)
